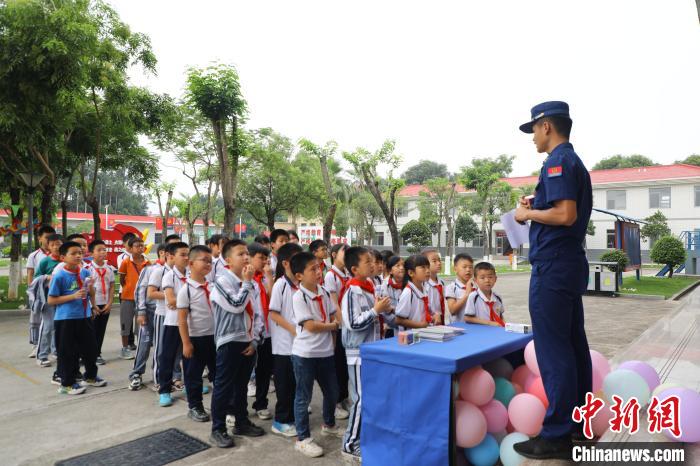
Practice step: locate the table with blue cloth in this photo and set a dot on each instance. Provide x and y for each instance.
(407, 393)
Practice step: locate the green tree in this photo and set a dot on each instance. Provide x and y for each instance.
(668, 250)
(417, 235)
(693, 159)
(466, 228)
(366, 165)
(272, 184)
(425, 170)
(655, 228)
(216, 93)
(624, 161)
(618, 256)
(493, 197)
(437, 203)
(590, 228)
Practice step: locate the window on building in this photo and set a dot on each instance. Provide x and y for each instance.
(660, 198)
(610, 239)
(697, 196)
(616, 199)
(478, 242)
(400, 212)
(378, 239)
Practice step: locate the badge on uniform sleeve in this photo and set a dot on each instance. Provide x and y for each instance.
(554, 171)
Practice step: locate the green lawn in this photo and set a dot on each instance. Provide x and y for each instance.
(5, 262)
(4, 303)
(666, 287)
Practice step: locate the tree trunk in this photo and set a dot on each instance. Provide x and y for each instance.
(670, 271)
(190, 224)
(330, 215)
(388, 212)
(94, 204)
(225, 175)
(328, 223)
(165, 215)
(439, 235)
(235, 157)
(46, 209)
(64, 216)
(450, 237)
(15, 247)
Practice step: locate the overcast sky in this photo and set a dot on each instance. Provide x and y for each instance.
(448, 80)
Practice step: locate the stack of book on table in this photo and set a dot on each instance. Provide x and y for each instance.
(439, 333)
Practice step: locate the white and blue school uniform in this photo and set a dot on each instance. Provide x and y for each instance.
(145, 307)
(435, 290)
(171, 345)
(479, 306)
(456, 290)
(412, 304)
(394, 294)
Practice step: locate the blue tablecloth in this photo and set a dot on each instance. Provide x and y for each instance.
(406, 392)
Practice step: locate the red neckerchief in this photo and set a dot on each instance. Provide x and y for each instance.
(396, 286)
(426, 307)
(492, 314)
(442, 300)
(258, 277)
(205, 287)
(79, 281)
(101, 272)
(319, 299)
(56, 258)
(291, 283)
(323, 272)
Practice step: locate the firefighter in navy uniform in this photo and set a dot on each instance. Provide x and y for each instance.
(558, 216)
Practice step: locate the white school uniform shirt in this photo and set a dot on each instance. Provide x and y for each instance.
(411, 304)
(121, 257)
(333, 282)
(310, 344)
(218, 266)
(155, 279)
(35, 258)
(102, 279)
(174, 279)
(434, 298)
(273, 262)
(281, 301)
(394, 294)
(456, 290)
(259, 307)
(200, 316)
(477, 305)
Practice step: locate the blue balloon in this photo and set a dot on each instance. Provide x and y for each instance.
(504, 391)
(484, 454)
(626, 384)
(509, 457)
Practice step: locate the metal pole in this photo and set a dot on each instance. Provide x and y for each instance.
(240, 231)
(30, 222)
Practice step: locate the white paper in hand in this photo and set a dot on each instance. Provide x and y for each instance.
(518, 234)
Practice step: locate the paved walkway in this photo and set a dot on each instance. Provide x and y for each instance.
(41, 427)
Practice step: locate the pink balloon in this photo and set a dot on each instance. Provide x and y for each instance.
(526, 413)
(476, 386)
(600, 362)
(647, 372)
(531, 358)
(522, 375)
(598, 378)
(688, 416)
(600, 422)
(496, 416)
(537, 388)
(518, 388)
(470, 423)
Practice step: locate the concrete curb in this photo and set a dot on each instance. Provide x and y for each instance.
(14, 312)
(685, 290)
(646, 297)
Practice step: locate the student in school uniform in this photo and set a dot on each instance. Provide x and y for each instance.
(196, 324)
(33, 261)
(363, 322)
(103, 279)
(265, 242)
(129, 272)
(484, 306)
(319, 249)
(457, 292)
(264, 279)
(171, 345)
(293, 236)
(386, 255)
(413, 310)
(146, 319)
(392, 288)
(283, 331)
(312, 352)
(72, 293)
(47, 340)
(278, 238)
(377, 268)
(435, 286)
(216, 243)
(126, 249)
(238, 331)
(335, 282)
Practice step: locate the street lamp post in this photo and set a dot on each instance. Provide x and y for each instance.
(32, 180)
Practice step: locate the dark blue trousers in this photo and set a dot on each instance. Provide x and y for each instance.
(204, 356)
(233, 371)
(556, 309)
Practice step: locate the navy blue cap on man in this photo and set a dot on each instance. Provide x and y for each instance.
(545, 109)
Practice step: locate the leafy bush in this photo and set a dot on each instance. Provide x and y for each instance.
(616, 255)
(669, 251)
(417, 234)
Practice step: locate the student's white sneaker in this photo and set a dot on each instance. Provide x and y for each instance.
(309, 448)
(334, 430)
(352, 458)
(230, 420)
(264, 414)
(251, 388)
(340, 412)
(126, 353)
(53, 357)
(33, 353)
(43, 363)
(288, 430)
